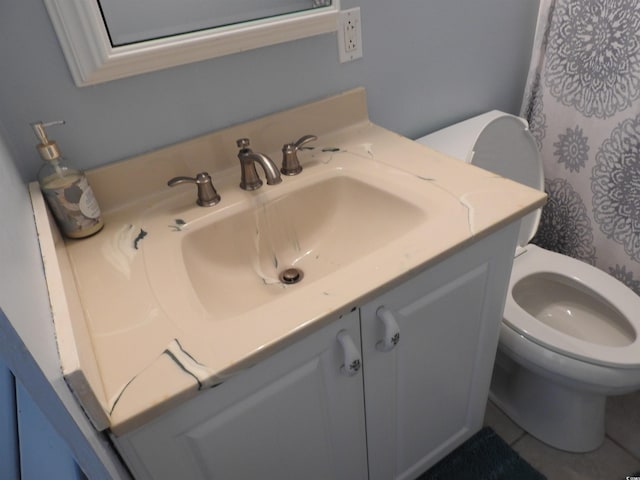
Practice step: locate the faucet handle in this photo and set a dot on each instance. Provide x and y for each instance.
(207, 195)
(290, 163)
(304, 140)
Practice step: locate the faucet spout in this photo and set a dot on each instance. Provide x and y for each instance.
(271, 172)
(249, 176)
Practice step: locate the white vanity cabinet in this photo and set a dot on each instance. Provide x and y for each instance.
(428, 347)
(427, 394)
(295, 415)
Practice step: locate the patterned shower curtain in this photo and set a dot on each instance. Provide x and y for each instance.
(582, 102)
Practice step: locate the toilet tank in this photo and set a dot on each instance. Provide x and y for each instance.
(457, 140)
(500, 143)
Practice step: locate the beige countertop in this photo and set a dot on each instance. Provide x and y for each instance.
(135, 339)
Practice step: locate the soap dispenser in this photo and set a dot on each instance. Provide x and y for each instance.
(66, 189)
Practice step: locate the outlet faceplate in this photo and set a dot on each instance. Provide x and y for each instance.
(349, 35)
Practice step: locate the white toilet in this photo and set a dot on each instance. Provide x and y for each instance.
(570, 333)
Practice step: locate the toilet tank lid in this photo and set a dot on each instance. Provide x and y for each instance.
(500, 143)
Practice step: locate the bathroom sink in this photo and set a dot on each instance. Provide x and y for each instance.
(270, 247)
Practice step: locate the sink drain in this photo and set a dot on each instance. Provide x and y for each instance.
(291, 276)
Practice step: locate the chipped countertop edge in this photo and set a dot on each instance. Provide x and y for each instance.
(82, 375)
(420, 162)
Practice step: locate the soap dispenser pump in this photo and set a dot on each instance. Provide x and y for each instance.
(66, 189)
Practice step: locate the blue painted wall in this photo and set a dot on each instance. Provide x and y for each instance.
(30, 449)
(43, 453)
(9, 459)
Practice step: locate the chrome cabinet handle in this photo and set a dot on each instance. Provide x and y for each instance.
(391, 335)
(352, 360)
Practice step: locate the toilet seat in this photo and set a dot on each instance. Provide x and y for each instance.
(583, 277)
(501, 143)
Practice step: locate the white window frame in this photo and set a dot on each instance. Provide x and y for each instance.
(92, 59)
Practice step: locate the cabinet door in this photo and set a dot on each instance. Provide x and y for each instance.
(427, 394)
(294, 415)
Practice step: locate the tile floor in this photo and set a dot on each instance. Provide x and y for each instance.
(618, 456)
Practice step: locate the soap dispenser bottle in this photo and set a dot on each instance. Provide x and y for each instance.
(66, 189)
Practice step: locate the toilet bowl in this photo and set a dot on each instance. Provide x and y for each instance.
(570, 332)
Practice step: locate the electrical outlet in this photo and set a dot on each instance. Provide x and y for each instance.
(350, 27)
(349, 35)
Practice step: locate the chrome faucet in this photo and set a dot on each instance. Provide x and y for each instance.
(248, 158)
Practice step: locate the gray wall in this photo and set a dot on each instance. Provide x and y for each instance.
(27, 343)
(426, 63)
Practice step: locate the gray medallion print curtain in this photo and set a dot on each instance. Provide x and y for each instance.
(582, 102)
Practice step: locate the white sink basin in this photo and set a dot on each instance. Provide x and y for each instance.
(226, 261)
(234, 264)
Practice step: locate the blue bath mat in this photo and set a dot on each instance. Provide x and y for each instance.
(485, 456)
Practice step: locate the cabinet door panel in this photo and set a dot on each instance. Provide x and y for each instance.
(294, 415)
(427, 395)
(441, 340)
(277, 419)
